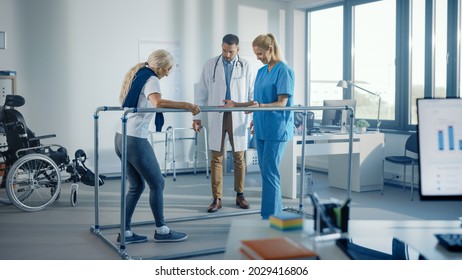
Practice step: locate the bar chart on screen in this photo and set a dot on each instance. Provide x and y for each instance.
(447, 139)
(440, 146)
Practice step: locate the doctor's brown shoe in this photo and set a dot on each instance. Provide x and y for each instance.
(241, 202)
(216, 204)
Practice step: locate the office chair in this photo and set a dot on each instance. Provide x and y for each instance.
(298, 122)
(405, 160)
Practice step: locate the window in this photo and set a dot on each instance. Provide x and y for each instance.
(374, 58)
(325, 55)
(400, 49)
(417, 56)
(441, 46)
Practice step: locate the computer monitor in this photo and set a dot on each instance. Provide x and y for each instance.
(337, 117)
(440, 148)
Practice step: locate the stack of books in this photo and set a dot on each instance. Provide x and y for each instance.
(286, 221)
(276, 248)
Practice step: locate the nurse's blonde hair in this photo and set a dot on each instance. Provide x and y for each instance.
(266, 41)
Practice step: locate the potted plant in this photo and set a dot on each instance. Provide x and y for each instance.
(361, 126)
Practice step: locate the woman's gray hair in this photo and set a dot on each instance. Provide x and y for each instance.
(158, 59)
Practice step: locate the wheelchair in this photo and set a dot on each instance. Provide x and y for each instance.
(33, 172)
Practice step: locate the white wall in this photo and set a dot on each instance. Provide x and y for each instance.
(71, 56)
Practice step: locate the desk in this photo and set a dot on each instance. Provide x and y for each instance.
(418, 234)
(366, 160)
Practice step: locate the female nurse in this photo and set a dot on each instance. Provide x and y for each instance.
(274, 87)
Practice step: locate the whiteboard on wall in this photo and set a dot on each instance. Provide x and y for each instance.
(171, 85)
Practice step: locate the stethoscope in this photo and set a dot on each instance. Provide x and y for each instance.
(237, 63)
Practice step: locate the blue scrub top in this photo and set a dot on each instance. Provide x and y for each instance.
(274, 125)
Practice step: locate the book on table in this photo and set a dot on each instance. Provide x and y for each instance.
(276, 248)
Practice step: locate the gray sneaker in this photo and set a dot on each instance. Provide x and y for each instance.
(172, 236)
(135, 238)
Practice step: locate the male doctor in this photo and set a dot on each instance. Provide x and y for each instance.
(226, 77)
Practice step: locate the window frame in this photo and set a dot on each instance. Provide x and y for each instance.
(403, 70)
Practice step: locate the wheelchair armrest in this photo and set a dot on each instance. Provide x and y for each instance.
(42, 137)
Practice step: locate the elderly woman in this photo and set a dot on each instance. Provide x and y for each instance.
(141, 89)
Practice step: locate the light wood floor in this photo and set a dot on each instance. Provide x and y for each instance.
(63, 232)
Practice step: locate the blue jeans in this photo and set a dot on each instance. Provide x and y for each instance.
(269, 158)
(142, 166)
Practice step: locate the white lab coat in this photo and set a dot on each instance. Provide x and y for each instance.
(211, 92)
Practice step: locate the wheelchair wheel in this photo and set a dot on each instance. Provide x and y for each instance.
(74, 194)
(33, 182)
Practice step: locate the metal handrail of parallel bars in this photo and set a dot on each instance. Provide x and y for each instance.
(96, 228)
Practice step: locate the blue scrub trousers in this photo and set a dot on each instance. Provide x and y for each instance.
(269, 157)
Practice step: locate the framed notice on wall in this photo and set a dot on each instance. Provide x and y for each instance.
(171, 86)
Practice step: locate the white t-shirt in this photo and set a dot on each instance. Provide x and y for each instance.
(138, 123)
